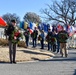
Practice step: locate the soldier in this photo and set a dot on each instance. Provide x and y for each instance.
(12, 46)
(63, 36)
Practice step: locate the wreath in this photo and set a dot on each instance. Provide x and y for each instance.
(15, 37)
(62, 37)
(50, 39)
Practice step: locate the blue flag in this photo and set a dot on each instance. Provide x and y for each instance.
(22, 24)
(45, 27)
(31, 25)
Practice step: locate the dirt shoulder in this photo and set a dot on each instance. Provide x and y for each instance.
(25, 54)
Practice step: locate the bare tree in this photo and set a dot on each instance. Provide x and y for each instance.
(8, 16)
(72, 12)
(64, 12)
(32, 17)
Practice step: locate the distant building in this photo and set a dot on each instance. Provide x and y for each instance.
(2, 33)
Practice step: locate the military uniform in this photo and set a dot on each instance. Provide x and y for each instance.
(12, 46)
(63, 36)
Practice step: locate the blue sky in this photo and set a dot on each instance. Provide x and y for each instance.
(20, 7)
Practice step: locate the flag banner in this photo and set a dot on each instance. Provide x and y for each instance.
(59, 28)
(45, 28)
(42, 26)
(2, 22)
(22, 24)
(34, 25)
(25, 25)
(70, 30)
(31, 27)
(39, 26)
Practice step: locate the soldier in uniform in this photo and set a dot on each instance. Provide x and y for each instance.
(12, 46)
(63, 36)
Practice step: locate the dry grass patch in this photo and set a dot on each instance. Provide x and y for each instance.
(23, 54)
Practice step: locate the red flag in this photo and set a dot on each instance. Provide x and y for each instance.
(2, 22)
(31, 31)
(59, 28)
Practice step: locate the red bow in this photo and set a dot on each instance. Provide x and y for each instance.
(17, 34)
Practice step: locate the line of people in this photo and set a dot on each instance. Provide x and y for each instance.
(53, 39)
(56, 40)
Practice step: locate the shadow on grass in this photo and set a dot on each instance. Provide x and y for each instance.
(34, 58)
(36, 53)
(56, 59)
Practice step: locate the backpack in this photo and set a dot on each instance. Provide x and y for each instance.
(8, 30)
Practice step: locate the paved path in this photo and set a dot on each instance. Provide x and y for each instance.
(55, 66)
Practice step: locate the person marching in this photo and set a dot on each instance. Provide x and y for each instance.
(63, 36)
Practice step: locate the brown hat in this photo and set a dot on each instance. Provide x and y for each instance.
(14, 21)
